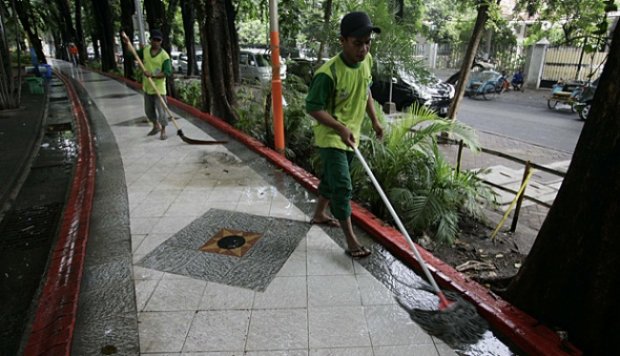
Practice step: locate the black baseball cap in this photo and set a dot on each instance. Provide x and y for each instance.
(156, 35)
(357, 24)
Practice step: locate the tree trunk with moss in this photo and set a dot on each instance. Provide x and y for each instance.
(217, 70)
(571, 279)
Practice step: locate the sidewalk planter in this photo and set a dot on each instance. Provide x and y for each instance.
(35, 85)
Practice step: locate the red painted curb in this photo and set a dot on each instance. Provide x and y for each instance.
(524, 331)
(54, 322)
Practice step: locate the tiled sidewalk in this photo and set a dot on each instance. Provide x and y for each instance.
(295, 292)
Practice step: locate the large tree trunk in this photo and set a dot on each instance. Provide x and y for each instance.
(327, 15)
(66, 23)
(571, 277)
(24, 12)
(217, 70)
(470, 55)
(189, 18)
(231, 15)
(155, 15)
(79, 32)
(128, 9)
(10, 89)
(103, 17)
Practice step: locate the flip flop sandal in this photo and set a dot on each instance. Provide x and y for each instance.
(327, 222)
(361, 252)
(154, 131)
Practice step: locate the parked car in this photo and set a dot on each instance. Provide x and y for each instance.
(181, 64)
(484, 84)
(409, 89)
(255, 66)
(174, 58)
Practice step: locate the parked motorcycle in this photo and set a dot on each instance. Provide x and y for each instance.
(583, 102)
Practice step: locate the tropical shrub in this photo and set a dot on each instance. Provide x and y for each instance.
(189, 91)
(426, 192)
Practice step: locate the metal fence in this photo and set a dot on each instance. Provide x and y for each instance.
(450, 56)
(569, 63)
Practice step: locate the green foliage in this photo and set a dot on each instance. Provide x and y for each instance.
(426, 192)
(297, 125)
(253, 32)
(189, 91)
(574, 22)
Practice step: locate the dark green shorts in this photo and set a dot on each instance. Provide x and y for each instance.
(336, 180)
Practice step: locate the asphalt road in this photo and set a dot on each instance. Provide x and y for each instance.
(525, 117)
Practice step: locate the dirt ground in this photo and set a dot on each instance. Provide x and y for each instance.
(490, 262)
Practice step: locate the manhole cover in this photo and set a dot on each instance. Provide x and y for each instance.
(230, 242)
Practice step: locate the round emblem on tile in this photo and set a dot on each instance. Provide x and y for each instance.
(231, 242)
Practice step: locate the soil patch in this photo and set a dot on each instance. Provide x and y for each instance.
(492, 263)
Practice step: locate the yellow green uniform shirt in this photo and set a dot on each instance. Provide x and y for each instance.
(342, 91)
(155, 64)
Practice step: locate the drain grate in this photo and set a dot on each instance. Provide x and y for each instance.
(58, 98)
(65, 126)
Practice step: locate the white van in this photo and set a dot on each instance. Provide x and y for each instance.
(255, 66)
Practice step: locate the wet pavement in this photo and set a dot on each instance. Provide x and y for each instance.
(209, 250)
(44, 143)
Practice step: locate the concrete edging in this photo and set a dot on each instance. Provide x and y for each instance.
(54, 321)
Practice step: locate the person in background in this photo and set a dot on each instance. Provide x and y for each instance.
(158, 66)
(73, 53)
(338, 98)
(517, 80)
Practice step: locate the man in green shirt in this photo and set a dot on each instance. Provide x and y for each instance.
(157, 65)
(338, 98)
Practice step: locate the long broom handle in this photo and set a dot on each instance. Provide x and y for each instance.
(400, 225)
(161, 99)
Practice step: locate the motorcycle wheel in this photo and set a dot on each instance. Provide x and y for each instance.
(488, 92)
(551, 104)
(583, 114)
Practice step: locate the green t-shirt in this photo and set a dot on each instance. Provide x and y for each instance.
(155, 64)
(342, 91)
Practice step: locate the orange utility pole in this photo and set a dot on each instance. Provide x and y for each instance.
(276, 82)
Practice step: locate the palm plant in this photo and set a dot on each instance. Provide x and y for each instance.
(424, 189)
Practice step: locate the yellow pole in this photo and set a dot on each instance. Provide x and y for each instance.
(514, 201)
(276, 82)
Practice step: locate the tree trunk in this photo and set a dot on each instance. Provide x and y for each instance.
(155, 15)
(189, 18)
(103, 17)
(79, 32)
(217, 72)
(571, 277)
(66, 23)
(172, 9)
(400, 11)
(128, 9)
(231, 15)
(10, 89)
(23, 9)
(327, 15)
(470, 55)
